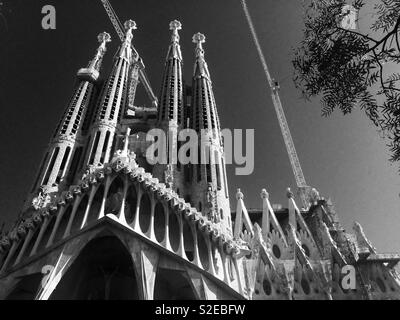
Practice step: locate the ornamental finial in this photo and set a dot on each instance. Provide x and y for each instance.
(126, 141)
(239, 194)
(199, 39)
(175, 26)
(130, 24)
(264, 194)
(104, 37)
(289, 193)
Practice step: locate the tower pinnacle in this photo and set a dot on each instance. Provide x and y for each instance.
(129, 25)
(199, 39)
(200, 67)
(103, 38)
(175, 26)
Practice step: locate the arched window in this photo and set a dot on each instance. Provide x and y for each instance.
(144, 212)
(130, 204)
(173, 285)
(159, 222)
(114, 197)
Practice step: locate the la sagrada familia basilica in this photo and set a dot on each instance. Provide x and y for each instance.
(102, 222)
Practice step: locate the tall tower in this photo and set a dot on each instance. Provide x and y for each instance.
(111, 104)
(170, 112)
(209, 185)
(61, 159)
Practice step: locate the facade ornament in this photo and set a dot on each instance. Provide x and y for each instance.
(29, 224)
(314, 196)
(37, 218)
(212, 203)
(239, 195)
(102, 38)
(169, 176)
(175, 26)
(41, 199)
(5, 243)
(289, 193)
(264, 194)
(199, 39)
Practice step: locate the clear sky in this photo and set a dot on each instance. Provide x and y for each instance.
(342, 156)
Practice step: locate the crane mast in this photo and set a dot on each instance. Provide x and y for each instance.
(287, 137)
(142, 74)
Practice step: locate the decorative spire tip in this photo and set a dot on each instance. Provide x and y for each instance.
(104, 37)
(199, 38)
(130, 24)
(175, 25)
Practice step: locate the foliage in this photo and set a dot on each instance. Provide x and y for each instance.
(349, 68)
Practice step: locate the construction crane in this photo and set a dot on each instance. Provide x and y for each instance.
(136, 58)
(287, 137)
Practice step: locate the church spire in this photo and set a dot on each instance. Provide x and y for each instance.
(103, 38)
(205, 114)
(110, 104)
(209, 182)
(174, 50)
(172, 87)
(200, 66)
(170, 111)
(62, 150)
(91, 73)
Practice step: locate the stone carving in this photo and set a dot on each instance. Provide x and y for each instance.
(212, 204)
(169, 176)
(41, 199)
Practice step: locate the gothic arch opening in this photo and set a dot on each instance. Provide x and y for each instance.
(114, 197)
(203, 250)
(144, 212)
(26, 288)
(130, 204)
(188, 240)
(96, 205)
(102, 271)
(159, 222)
(173, 285)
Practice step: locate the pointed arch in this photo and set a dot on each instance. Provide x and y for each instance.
(173, 228)
(173, 285)
(103, 270)
(26, 288)
(144, 212)
(159, 222)
(188, 240)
